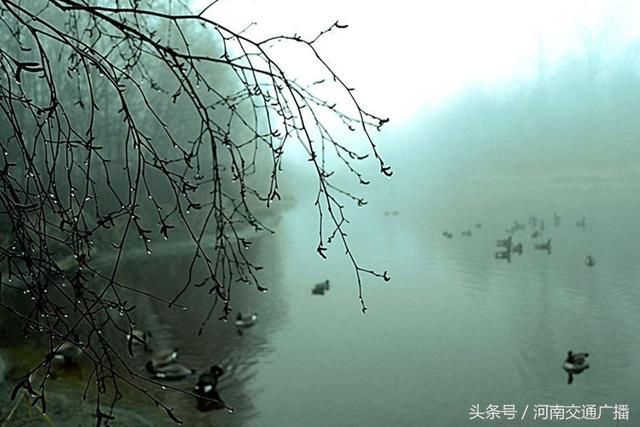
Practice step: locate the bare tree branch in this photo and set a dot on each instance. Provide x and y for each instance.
(121, 124)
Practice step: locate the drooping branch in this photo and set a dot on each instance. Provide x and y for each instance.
(123, 124)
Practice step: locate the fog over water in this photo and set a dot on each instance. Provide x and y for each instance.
(542, 153)
(456, 327)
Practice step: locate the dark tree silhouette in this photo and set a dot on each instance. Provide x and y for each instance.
(121, 123)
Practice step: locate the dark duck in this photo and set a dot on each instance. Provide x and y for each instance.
(206, 391)
(575, 363)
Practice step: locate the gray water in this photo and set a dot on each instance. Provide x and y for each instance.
(456, 327)
(453, 328)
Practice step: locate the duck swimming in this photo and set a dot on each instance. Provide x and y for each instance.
(172, 371)
(205, 389)
(575, 363)
(208, 381)
(161, 358)
(590, 261)
(320, 288)
(543, 246)
(245, 321)
(163, 365)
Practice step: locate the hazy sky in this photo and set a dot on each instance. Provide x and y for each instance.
(404, 55)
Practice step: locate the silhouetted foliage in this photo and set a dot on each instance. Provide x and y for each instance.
(120, 124)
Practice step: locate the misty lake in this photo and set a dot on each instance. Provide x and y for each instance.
(460, 335)
(454, 328)
(456, 331)
(457, 327)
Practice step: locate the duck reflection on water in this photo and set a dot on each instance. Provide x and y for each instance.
(503, 255)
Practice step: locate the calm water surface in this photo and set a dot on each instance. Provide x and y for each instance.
(456, 327)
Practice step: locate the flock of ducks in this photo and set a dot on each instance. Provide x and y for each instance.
(162, 364)
(575, 363)
(507, 247)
